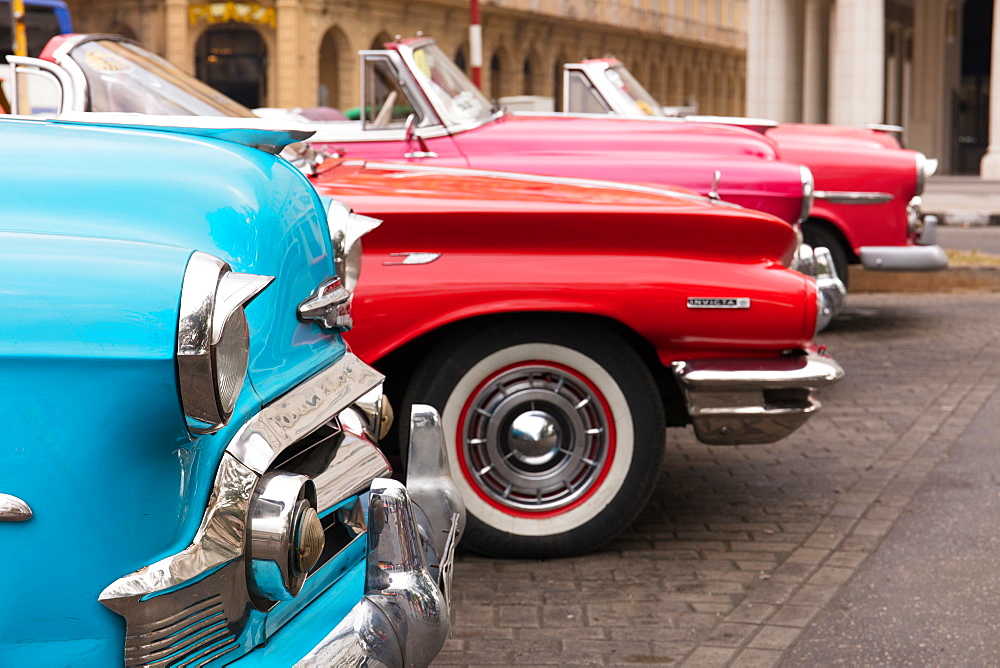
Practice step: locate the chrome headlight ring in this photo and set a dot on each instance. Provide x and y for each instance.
(808, 192)
(213, 346)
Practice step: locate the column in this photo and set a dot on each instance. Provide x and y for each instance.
(774, 70)
(284, 91)
(989, 168)
(857, 62)
(814, 61)
(930, 108)
(177, 50)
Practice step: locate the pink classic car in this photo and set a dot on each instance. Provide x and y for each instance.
(867, 200)
(419, 107)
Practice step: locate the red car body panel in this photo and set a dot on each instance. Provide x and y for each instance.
(511, 245)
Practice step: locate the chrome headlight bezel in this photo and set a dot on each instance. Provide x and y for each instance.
(925, 169)
(213, 347)
(808, 192)
(346, 230)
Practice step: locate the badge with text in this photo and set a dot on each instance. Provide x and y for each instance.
(718, 302)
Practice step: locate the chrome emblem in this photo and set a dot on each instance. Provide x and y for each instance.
(411, 258)
(718, 302)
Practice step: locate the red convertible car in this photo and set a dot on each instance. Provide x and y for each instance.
(559, 325)
(867, 199)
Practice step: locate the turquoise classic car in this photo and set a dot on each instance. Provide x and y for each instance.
(189, 469)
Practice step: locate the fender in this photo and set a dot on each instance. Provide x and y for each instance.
(646, 293)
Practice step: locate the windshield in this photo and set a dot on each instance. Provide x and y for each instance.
(449, 90)
(124, 77)
(632, 91)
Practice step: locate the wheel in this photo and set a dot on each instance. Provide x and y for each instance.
(818, 236)
(555, 434)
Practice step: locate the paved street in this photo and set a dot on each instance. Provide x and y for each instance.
(867, 538)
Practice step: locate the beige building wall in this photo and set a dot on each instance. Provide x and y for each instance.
(687, 52)
(854, 62)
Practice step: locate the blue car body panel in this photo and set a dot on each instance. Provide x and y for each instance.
(96, 230)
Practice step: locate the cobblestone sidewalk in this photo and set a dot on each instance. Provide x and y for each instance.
(741, 547)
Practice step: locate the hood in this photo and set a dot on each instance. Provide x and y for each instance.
(524, 133)
(251, 209)
(823, 136)
(483, 212)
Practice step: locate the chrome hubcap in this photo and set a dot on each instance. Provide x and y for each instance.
(536, 437)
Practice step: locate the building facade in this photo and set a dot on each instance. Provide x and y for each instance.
(921, 64)
(303, 53)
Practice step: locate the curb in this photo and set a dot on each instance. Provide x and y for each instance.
(967, 218)
(952, 279)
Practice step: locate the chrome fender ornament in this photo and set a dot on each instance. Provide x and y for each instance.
(329, 305)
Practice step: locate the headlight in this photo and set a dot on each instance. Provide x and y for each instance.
(808, 192)
(286, 536)
(926, 167)
(346, 230)
(213, 345)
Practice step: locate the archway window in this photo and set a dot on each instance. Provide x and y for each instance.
(528, 79)
(233, 60)
(495, 75)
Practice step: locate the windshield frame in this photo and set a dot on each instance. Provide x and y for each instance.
(407, 52)
(65, 57)
(620, 101)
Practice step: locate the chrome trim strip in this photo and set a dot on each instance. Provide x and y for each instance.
(13, 509)
(302, 410)
(219, 539)
(845, 197)
(358, 463)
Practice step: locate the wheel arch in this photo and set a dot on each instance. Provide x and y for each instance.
(827, 223)
(400, 364)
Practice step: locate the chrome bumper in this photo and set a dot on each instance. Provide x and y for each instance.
(403, 620)
(196, 605)
(903, 258)
(733, 402)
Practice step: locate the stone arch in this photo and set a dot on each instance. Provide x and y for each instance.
(461, 57)
(379, 41)
(123, 29)
(336, 65)
(230, 56)
(532, 75)
(655, 82)
(557, 79)
(502, 75)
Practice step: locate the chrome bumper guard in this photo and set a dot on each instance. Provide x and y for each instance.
(818, 263)
(744, 401)
(403, 620)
